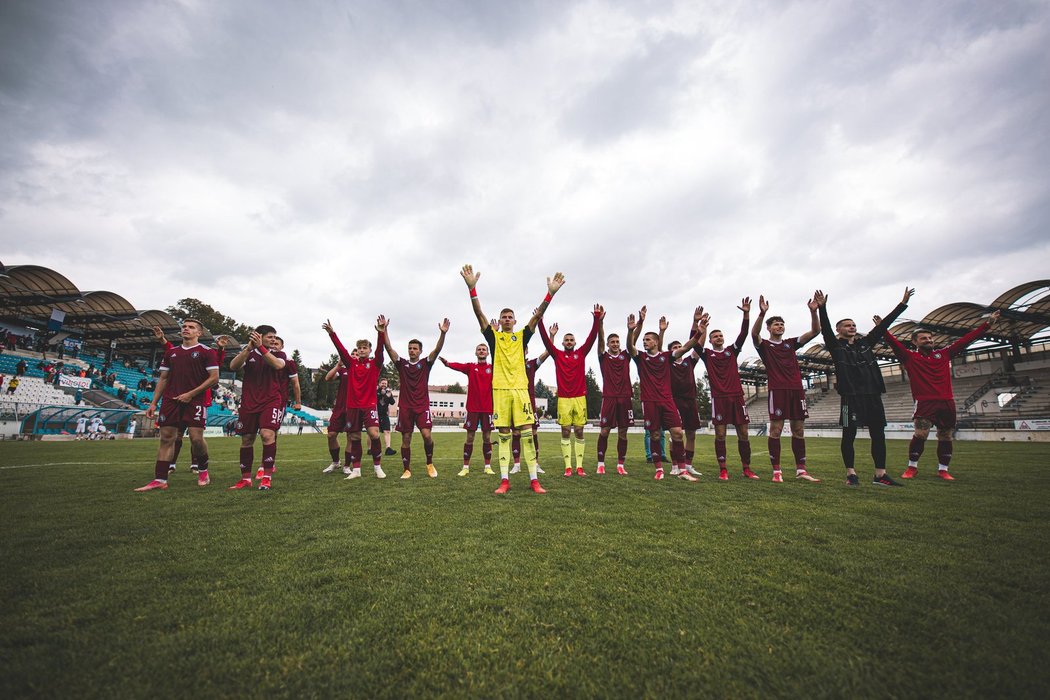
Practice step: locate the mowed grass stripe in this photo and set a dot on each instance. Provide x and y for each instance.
(604, 586)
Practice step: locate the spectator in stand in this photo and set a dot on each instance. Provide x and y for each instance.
(12, 385)
(20, 368)
(78, 397)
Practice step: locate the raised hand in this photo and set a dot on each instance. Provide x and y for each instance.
(763, 305)
(663, 323)
(224, 341)
(698, 312)
(995, 316)
(381, 323)
(908, 294)
(704, 320)
(254, 340)
(553, 330)
(820, 297)
(599, 311)
(632, 323)
(158, 334)
(641, 314)
(469, 276)
(877, 319)
(745, 305)
(444, 325)
(555, 283)
(327, 326)
(812, 303)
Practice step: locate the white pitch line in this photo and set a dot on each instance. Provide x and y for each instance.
(67, 464)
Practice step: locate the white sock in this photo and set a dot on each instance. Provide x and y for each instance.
(942, 468)
(912, 463)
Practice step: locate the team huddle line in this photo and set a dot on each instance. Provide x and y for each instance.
(501, 393)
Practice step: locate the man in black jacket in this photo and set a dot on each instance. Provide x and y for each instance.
(860, 385)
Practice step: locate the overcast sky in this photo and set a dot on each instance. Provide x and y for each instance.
(290, 162)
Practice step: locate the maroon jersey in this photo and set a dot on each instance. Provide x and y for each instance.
(781, 363)
(339, 407)
(220, 353)
(187, 369)
(683, 379)
(723, 374)
(479, 385)
(530, 371)
(930, 376)
(291, 370)
(262, 384)
(569, 365)
(414, 394)
(362, 376)
(616, 375)
(654, 375)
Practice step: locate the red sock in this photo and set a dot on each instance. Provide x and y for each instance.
(376, 451)
(944, 452)
(677, 453)
(406, 457)
(247, 457)
(160, 469)
(689, 456)
(486, 451)
(428, 449)
(915, 448)
(603, 445)
(720, 453)
(798, 448)
(745, 452)
(355, 453)
(269, 458)
(468, 450)
(774, 452)
(621, 450)
(654, 449)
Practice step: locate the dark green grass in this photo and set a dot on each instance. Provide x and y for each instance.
(611, 587)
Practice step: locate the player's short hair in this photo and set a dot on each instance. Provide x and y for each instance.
(363, 341)
(416, 341)
(193, 320)
(672, 344)
(650, 333)
(481, 345)
(773, 319)
(613, 335)
(503, 311)
(277, 337)
(264, 329)
(841, 321)
(919, 331)
(717, 330)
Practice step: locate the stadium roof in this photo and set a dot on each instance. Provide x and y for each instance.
(29, 293)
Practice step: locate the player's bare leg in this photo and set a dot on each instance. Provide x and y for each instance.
(917, 446)
(375, 449)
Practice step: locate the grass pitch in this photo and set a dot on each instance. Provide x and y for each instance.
(606, 586)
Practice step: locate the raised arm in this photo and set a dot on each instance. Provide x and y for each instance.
(634, 327)
(694, 338)
(883, 324)
(745, 306)
(663, 324)
(344, 356)
(599, 314)
(241, 357)
(457, 366)
(380, 340)
(825, 323)
(471, 278)
(442, 330)
(959, 345)
(601, 334)
(814, 329)
(756, 330)
(388, 344)
(548, 341)
(553, 285)
(331, 374)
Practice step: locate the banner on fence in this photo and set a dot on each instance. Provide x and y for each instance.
(74, 382)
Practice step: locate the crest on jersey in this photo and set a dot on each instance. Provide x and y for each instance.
(575, 356)
(726, 353)
(937, 355)
(195, 354)
(488, 370)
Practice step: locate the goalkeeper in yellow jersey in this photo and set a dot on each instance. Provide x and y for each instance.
(511, 404)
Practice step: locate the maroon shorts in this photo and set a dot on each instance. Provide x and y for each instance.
(267, 419)
(337, 423)
(939, 412)
(181, 415)
(358, 419)
(689, 410)
(407, 419)
(478, 419)
(661, 415)
(729, 410)
(617, 413)
(787, 404)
